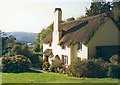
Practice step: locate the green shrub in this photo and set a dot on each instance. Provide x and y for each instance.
(45, 65)
(69, 71)
(19, 49)
(38, 64)
(57, 67)
(74, 68)
(93, 68)
(115, 59)
(16, 63)
(114, 71)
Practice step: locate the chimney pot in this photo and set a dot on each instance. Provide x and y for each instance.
(59, 9)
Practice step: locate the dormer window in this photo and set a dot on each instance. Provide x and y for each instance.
(79, 46)
(63, 47)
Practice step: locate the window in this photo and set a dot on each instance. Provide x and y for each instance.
(79, 46)
(65, 59)
(50, 45)
(63, 47)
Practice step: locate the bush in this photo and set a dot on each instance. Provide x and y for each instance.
(115, 59)
(74, 68)
(114, 71)
(45, 65)
(27, 52)
(38, 64)
(57, 67)
(93, 68)
(16, 63)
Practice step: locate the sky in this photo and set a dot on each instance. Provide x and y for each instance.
(34, 15)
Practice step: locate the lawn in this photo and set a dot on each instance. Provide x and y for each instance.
(50, 78)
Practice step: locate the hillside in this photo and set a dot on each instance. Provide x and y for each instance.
(24, 37)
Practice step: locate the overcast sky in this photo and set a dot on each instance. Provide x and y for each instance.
(34, 15)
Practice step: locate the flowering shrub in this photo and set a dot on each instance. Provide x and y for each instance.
(113, 71)
(57, 66)
(87, 68)
(45, 65)
(114, 66)
(16, 63)
(115, 59)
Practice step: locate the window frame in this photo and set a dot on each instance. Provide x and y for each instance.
(79, 46)
(65, 59)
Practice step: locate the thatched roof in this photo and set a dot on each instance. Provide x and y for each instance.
(48, 52)
(79, 31)
(48, 38)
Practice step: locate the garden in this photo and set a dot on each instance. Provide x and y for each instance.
(18, 69)
(20, 64)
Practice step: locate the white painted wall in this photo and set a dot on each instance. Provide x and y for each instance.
(57, 50)
(46, 46)
(83, 53)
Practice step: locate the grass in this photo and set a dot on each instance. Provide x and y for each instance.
(50, 78)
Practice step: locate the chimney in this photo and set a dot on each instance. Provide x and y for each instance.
(57, 22)
(57, 18)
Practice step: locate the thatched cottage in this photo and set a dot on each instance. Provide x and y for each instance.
(80, 38)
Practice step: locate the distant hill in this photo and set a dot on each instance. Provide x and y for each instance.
(24, 37)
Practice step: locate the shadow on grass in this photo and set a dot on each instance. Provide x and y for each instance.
(34, 71)
(29, 71)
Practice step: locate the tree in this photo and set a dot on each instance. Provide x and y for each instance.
(80, 17)
(116, 12)
(70, 19)
(0, 43)
(7, 43)
(116, 9)
(10, 42)
(94, 9)
(38, 43)
(98, 8)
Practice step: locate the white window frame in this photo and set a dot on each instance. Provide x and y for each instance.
(65, 60)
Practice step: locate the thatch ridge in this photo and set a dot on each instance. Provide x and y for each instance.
(83, 34)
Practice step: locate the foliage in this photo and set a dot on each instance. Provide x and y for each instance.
(45, 66)
(10, 47)
(93, 68)
(7, 43)
(113, 8)
(114, 66)
(115, 59)
(16, 63)
(38, 63)
(98, 8)
(70, 19)
(38, 42)
(114, 71)
(57, 66)
(116, 12)
(87, 68)
(26, 51)
(74, 68)
(80, 17)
